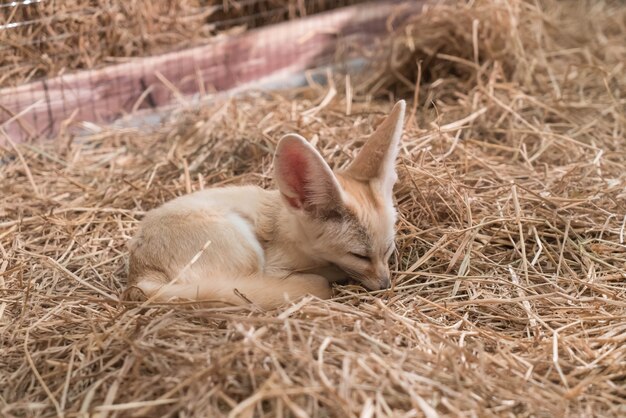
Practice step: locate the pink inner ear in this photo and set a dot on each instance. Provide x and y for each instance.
(295, 171)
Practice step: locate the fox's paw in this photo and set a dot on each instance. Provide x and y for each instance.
(317, 286)
(133, 294)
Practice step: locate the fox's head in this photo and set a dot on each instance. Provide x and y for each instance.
(347, 218)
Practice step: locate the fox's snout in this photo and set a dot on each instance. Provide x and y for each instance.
(376, 282)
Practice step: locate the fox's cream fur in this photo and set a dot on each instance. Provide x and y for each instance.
(240, 244)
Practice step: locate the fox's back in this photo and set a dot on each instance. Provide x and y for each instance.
(214, 222)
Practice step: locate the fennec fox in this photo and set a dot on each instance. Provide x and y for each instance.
(245, 244)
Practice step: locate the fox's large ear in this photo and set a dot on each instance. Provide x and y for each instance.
(304, 179)
(375, 163)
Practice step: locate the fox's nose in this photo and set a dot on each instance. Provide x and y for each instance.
(385, 283)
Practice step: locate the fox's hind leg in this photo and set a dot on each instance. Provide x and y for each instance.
(267, 292)
(271, 291)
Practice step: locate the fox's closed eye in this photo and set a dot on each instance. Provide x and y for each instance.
(361, 256)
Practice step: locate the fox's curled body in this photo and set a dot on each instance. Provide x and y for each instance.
(243, 243)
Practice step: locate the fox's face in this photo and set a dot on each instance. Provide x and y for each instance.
(346, 218)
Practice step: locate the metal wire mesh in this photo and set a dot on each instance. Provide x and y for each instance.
(44, 38)
(216, 44)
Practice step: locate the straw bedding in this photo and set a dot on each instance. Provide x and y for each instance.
(509, 295)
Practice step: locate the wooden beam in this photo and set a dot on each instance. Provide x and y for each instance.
(38, 109)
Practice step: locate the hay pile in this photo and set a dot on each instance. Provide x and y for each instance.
(509, 294)
(46, 38)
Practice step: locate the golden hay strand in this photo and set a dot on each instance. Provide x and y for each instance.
(509, 295)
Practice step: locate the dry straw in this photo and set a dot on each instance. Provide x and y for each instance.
(509, 295)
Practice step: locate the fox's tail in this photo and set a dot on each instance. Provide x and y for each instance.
(264, 291)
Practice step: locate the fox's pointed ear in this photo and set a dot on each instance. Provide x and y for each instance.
(375, 163)
(304, 179)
